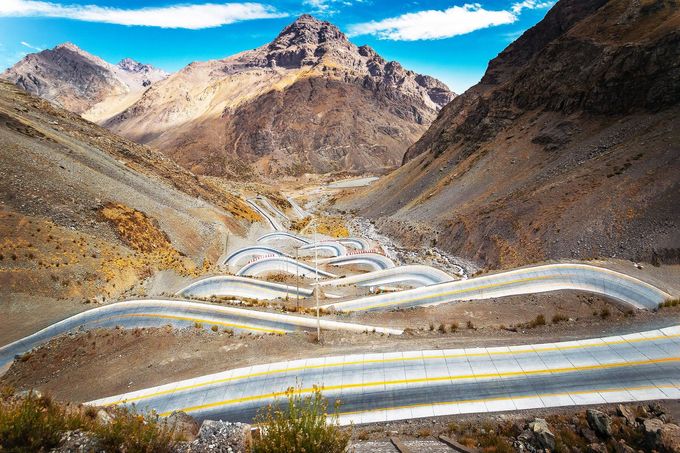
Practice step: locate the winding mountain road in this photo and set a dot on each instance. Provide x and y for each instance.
(249, 252)
(234, 286)
(179, 314)
(413, 274)
(269, 264)
(537, 279)
(411, 384)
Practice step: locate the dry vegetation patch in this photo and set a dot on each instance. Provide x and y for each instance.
(333, 226)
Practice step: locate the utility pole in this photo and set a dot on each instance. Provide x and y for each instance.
(316, 289)
(297, 280)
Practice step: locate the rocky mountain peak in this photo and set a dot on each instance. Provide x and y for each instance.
(307, 30)
(128, 64)
(68, 46)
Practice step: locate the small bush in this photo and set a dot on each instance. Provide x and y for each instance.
(132, 432)
(198, 325)
(538, 321)
(605, 313)
(301, 427)
(424, 432)
(37, 423)
(454, 326)
(442, 328)
(214, 328)
(470, 325)
(431, 326)
(558, 318)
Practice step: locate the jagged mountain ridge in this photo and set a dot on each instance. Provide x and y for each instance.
(309, 101)
(568, 147)
(81, 82)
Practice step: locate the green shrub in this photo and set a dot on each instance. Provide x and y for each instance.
(303, 426)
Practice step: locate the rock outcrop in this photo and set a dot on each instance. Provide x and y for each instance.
(309, 101)
(567, 148)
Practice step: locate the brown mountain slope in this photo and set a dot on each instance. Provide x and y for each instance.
(81, 82)
(567, 149)
(310, 101)
(85, 213)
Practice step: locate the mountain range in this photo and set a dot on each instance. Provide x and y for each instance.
(81, 82)
(309, 101)
(567, 148)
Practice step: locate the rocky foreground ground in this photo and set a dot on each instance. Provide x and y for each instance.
(614, 428)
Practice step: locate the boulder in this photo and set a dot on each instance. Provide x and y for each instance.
(669, 437)
(183, 425)
(627, 414)
(544, 437)
(651, 428)
(104, 417)
(599, 422)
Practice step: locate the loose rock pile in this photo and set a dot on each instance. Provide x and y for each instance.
(218, 437)
(626, 430)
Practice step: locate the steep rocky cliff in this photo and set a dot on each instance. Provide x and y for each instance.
(568, 147)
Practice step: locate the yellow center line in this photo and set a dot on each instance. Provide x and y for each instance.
(452, 292)
(528, 350)
(206, 321)
(493, 285)
(505, 398)
(426, 380)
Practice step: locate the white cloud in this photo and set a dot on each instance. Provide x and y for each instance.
(189, 16)
(25, 44)
(517, 8)
(434, 24)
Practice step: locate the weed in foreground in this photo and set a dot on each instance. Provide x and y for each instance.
(303, 426)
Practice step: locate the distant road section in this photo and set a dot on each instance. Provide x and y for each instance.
(275, 224)
(348, 183)
(248, 253)
(283, 235)
(275, 264)
(297, 209)
(232, 286)
(413, 274)
(551, 277)
(375, 261)
(412, 384)
(179, 314)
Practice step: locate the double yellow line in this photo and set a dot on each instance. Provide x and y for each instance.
(431, 380)
(527, 350)
(520, 397)
(456, 291)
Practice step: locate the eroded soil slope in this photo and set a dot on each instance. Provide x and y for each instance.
(84, 213)
(568, 148)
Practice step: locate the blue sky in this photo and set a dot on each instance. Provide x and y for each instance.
(449, 39)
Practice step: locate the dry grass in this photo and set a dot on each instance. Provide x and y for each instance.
(333, 226)
(301, 425)
(37, 423)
